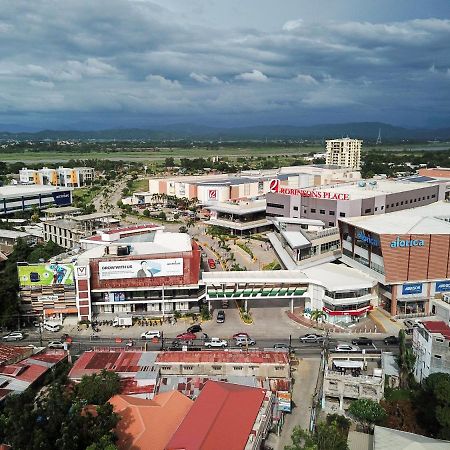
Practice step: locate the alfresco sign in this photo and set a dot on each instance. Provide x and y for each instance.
(274, 186)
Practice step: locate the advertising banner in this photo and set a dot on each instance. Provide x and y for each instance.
(45, 274)
(442, 286)
(275, 186)
(62, 198)
(412, 288)
(284, 401)
(147, 268)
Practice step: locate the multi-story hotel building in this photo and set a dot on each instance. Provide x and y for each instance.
(344, 152)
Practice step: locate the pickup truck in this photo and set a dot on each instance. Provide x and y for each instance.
(216, 343)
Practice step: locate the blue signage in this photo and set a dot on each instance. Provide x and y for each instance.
(412, 288)
(62, 198)
(407, 243)
(442, 286)
(368, 239)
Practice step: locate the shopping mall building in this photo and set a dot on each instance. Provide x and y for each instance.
(407, 252)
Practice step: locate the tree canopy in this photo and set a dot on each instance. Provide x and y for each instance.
(367, 411)
(98, 388)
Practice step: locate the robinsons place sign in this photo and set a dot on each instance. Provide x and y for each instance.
(275, 186)
(407, 243)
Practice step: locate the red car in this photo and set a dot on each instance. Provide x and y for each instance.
(245, 335)
(187, 336)
(211, 263)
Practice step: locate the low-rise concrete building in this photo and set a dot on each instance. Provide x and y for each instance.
(431, 346)
(350, 377)
(253, 363)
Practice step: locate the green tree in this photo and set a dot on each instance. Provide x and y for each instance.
(98, 388)
(367, 412)
(406, 361)
(317, 315)
(169, 162)
(183, 229)
(326, 437)
(146, 213)
(436, 403)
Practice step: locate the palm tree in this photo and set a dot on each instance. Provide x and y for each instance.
(406, 361)
(317, 315)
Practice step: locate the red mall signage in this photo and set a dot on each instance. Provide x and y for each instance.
(275, 186)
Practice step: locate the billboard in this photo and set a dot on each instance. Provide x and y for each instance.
(62, 198)
(412, 288)
(46, 274)
(140, 268)
(284, 401)
(442, 286)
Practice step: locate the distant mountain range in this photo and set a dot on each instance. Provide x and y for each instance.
(363, 130)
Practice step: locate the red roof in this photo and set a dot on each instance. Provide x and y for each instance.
(221, 418)
(251, 357)
(437, 327)
(93, 362)
(12, 353)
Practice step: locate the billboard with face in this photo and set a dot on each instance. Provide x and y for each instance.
(146, 268)
(45, 274)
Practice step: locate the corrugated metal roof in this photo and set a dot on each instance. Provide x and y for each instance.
(221, 418)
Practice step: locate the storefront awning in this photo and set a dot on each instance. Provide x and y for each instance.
(60, 311)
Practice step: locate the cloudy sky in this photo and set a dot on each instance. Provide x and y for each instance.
(93, 64)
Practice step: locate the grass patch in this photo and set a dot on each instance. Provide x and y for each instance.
(139, 185)
(393, 395)
(274, 265)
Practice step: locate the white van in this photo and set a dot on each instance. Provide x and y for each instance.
(51, 326)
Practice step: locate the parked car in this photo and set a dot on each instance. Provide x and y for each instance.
(187, 336)
(391, 340)
(240, 335)
(211, 263)
(150, 334)
(215, 342)
(281, 345)
(362, 341)
(242, 341)
(14, 336)
(311, 338)
(52, 326)
(56, 344)
(194, 329)
(220, 316)
(346, 348)
(410, 323)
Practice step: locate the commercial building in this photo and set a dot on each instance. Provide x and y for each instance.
(212, 189)
(68, 232)
(22, 198)
(156, 277)
(364, 198)
(407, 252)
(47, 288)
(240, 217)
(431, 346)
(344, 152)
(225, 416)
(345, 295)
(442, 173)
(62, 176)
(302, 243)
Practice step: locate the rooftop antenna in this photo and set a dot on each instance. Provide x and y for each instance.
(379, 137)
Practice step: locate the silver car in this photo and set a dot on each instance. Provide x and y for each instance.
(14, 336)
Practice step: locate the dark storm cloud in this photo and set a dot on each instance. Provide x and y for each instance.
(63, 59)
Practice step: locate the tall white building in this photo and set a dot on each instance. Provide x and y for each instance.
(344, 152)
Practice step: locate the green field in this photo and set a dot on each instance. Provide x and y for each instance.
(151, 155)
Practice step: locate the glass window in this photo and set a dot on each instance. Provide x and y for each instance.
(313, 210)
(322, 211)
(342, 214)
(367, 211)
(331, 213)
